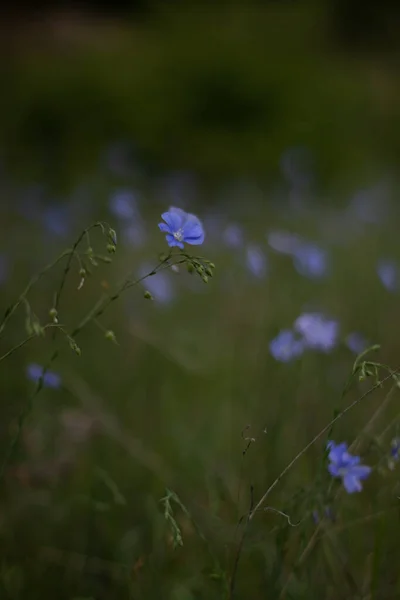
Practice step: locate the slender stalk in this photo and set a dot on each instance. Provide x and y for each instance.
(315, 439)
(13, 307)
(263, 498)
(26, 340)
(95, 312)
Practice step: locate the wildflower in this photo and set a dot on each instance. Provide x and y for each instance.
(285, 347)
(181, 227)
(345, 465)
(394, 453)
(233, 236)
(283, 241)
(57, 220)
(356, 342)
(310, 260)
(388, 273)
(123, 204)
(256, 261)
(319, 332)
(50, 379)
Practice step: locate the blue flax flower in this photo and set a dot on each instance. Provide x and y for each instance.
(388, 273)
(181, 227)
(285, 347)
(256, 261)
(318, 331)
(356, 342)
(345, 465)
(50, 379)
(310, 260)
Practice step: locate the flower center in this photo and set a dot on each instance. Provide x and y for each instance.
(178, 235)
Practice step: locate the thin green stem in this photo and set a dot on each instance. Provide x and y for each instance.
(315, 439)
(26, 340)
(95, 312)
(13, 307)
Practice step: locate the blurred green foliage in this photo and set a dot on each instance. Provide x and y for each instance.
(220, 90)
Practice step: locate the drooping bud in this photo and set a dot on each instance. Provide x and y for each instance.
(53, 314)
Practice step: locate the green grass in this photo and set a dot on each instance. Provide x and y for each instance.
(82, 517)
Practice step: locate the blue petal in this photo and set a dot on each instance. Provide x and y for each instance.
(195, 241)
(164, 227)
(192, 227)
(333, 470)
(360, 471)
(174, 218)
(351, 483)
(336, 452)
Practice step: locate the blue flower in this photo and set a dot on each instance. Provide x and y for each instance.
(181, 227)
(123, 204)
(388, 273)
(395, 449)
(256, 261)
(283, 241)
(233, 236)
(285, 347)
(310, 260)
(319, 332)
(356, 342)
(347, 467)
(51, 380)
(57, 220)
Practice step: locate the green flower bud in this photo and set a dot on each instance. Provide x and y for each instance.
(53, 314)
(110, 335)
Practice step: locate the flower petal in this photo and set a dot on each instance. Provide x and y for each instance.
(336, 451)
(360, 471)
(174, 218)
(351, 483)
(333, 470)
(164, 227)
(195, 241)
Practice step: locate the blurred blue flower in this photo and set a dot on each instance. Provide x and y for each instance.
(233, 236)
(388, 273)
(319, 332)
(123, 204)
(370, 205)
(50, 379)
(4, 268)
(283, 241)
(285, 347)
(310, 260)
(356, 342)
(256, 261)
(57, 220)
(181, 227)
(395, 449)
(347, 467)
